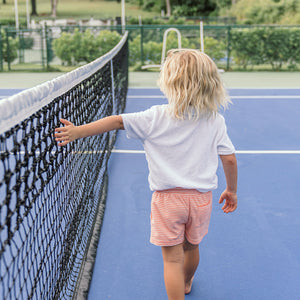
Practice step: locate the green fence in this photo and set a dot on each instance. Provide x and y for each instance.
(231, 46)
(24, 49)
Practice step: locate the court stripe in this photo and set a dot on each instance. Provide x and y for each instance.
(231, 97)
(237, 152)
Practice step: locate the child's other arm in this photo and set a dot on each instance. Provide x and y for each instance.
(229, 195)
(70, 132)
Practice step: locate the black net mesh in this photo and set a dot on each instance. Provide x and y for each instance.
(49, 196)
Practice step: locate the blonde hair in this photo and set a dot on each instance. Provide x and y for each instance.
(191, 82)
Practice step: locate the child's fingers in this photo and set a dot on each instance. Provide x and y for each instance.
(61, 139)
(60, 129)
(222, 198)
(63, 143)
(66, 122)
(60, 134)
(225, 205)
(227, 209)
(230, 208)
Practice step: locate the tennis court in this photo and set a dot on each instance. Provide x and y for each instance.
(250, 254)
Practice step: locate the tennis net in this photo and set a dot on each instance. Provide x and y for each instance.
(51, 197)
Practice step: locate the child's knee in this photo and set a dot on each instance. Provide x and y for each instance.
(173, 254)
(187, 246)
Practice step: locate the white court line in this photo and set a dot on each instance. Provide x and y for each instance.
(237, 152)
(231, 97)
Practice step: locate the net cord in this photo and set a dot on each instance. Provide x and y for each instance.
(18, 107)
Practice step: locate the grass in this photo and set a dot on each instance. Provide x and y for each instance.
(75, 9)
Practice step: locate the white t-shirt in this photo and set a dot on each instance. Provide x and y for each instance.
(180, 153)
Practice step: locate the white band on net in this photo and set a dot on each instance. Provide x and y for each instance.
(18, 107)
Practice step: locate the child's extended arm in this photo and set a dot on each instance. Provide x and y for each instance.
(70, 132)
(229, 195)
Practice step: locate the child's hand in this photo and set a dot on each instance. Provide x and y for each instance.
(230, 201)
(67, 134)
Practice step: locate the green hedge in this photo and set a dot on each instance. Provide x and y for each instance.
(152, 51)
(231, 47)
(10, 51)
(259, 46)
(84, 47)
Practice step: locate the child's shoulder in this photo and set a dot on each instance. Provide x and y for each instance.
(158, 109)
(216, 119)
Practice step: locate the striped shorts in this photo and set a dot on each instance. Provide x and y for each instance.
(177, 214)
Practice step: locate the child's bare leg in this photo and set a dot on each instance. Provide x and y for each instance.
(173, 271)
(191, 262)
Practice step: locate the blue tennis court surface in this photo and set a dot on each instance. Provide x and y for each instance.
(4, 93)
(251, 254)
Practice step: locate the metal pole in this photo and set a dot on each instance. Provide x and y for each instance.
(228, 47)
(27, 14)
(47, 47)
(142, 41)
(201, 36)
(1, 54)
(123, 16)
(17, 15)
(7, 49)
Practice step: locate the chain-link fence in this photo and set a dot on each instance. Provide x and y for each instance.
(230, 46)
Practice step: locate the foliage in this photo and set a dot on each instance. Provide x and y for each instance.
(10, 51)
(267, 45)
(12, 22)
(265, 11)
(214, 48)
(26, 42)
(193, 7)
(157, 21)
(63, 48)
(152, 51)
(107, 40)
(223, 3)
(84, 46)
(247, 47)
(180, 7)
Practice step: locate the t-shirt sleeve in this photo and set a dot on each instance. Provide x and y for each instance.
(138, 125)
(225, 146)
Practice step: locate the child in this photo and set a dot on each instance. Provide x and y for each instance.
(182, 141)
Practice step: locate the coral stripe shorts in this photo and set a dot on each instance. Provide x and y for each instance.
(177, 214)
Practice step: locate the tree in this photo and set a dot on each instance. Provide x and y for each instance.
(168, 6)
(4, 1)
(53, 8)
(193, 7)
(33, 8)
